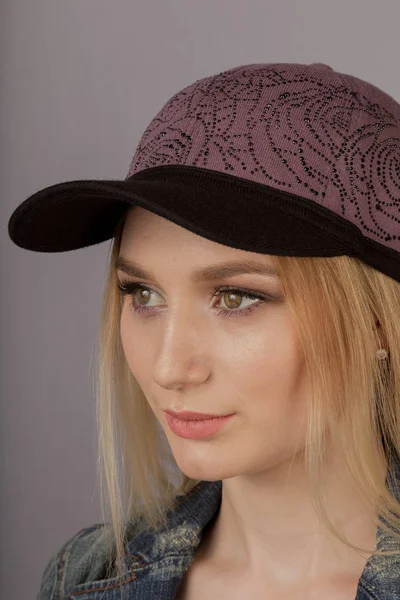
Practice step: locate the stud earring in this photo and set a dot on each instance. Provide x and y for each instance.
(381, 354)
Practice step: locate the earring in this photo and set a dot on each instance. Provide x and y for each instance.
(381, 354)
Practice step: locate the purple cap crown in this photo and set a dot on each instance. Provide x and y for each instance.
(304, 129)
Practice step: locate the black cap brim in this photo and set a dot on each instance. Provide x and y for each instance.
(223, 208)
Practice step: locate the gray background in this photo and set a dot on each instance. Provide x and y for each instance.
(80, 81)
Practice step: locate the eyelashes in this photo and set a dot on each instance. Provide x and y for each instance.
(129, 288)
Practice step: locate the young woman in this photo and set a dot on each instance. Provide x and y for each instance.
(249, 351)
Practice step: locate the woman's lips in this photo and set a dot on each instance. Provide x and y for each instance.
(188, 415)
(196, 428)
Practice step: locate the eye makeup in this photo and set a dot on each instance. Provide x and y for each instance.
(128, 288)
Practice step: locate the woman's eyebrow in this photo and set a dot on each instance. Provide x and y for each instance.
(209, 273)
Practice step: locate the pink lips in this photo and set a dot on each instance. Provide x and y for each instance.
(196, 428)
(188, 415)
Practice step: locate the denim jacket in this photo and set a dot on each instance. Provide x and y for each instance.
(157, 561)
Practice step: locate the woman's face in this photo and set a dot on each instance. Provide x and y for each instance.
(186, 356)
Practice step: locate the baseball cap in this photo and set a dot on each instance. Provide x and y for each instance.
(276, 158)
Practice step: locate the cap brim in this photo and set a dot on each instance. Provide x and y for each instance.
(214, 205)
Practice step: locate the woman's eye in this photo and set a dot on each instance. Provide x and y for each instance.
(231, 299)
(144, 293)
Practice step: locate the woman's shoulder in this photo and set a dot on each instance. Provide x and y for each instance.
(82, 559)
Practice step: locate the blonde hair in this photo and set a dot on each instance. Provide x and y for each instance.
(336, 303)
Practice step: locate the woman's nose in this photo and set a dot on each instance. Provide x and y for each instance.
(182, 356)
